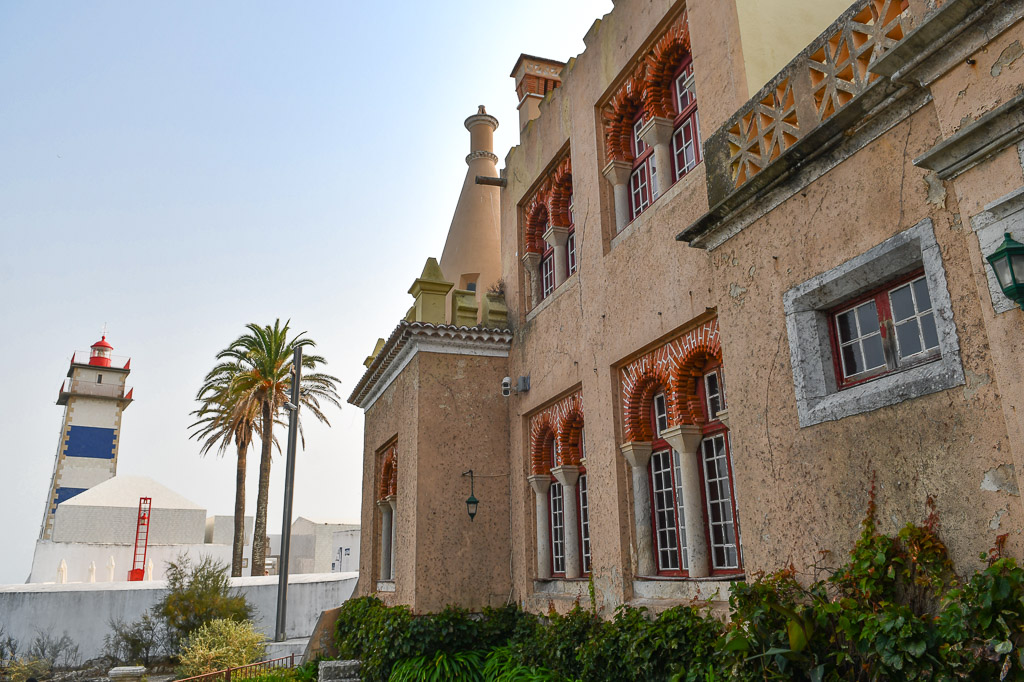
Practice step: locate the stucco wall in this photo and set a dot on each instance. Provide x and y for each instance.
(78, 555)
(85, 611)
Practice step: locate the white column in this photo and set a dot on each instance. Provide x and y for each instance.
(393, 501)
(557, 237)
(685, 439)
(541, 483)
(568, 475)
(617, 173)
(385, 539)
(638, 454)
(657, 133)
(531, 261)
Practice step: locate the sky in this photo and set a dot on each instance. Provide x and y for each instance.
(173, 171)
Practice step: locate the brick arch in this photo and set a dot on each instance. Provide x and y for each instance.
(561, 190)
(389, 474)
(536, 223)
(540, 445)
(569, 437)
(662, 62)
(638, 405)
(619, 115)
(687, 408)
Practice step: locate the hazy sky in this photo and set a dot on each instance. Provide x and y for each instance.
(175, 170)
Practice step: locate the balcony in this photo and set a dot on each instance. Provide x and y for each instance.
(77, 387)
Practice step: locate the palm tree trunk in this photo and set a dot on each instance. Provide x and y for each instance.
(259, 540)
(238, 539)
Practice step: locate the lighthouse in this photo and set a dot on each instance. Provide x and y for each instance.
(93, 396)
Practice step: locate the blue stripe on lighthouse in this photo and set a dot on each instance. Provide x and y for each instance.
(90, 441)
(64, 494)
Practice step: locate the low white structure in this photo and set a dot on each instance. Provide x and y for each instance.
(84, 611)
(97, 528)
(319, 547)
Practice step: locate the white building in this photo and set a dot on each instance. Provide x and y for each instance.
(319, 547)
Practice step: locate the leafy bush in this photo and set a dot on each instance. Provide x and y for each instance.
(443, 666)
(198, 593)
(220, 644)
(134, 643)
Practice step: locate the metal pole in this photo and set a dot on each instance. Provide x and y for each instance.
(289, 484)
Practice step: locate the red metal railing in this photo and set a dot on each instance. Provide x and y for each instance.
(245, 672)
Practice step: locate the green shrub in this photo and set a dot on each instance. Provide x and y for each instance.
(198, 593)
(220, 644)
(465, 666)
(134, 643)
(503, 665)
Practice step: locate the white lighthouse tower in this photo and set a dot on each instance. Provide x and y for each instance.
(94, 397)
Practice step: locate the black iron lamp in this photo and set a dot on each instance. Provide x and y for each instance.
(1008, 263)
(471, 501)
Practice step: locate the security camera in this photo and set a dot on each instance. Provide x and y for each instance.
(506, 386)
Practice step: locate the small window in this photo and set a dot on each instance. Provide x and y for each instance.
(584, 523)
(547, 275)
(885, 331)
(714, 394)
(99, 378)
(660, 414)
(557, 529)
(471, 286)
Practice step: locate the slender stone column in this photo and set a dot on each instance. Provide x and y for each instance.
(657, 133)
(685, 439)
(569, 475)
(638, 454)
(541, 483)
(617, 173)
(385, 539)
(393, 502)
(557, 237)
(531, 261)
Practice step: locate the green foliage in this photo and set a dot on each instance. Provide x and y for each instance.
(503, 665)
(198, 593)
(278, 675)
(220, 644)
(134, 643)
(442, 666)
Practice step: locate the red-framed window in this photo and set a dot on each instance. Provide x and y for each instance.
(686, 153)
(547, 272)
(584, 509)
(719, 500)
(570, 243)
(643, 187)
(883, 331)
(556, 502)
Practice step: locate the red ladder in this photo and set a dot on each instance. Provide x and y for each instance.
(138, 571)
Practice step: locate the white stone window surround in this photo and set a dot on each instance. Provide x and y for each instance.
(1005, 214)
(807, 323)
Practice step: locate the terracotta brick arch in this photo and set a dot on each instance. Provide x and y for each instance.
(536, 222)
(541, 435)
(685, 382)
(662, 62)
(619, 114)
(561, 192)
(389, 474)
(638, 405)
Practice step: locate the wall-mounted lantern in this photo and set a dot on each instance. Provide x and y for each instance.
(1008, 263)
(471, 501)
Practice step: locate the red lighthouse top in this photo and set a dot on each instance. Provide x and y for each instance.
(100, 355)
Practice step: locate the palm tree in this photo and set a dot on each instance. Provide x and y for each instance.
(263, 357)
(220, 421)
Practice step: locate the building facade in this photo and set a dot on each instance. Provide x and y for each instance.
(743, 259)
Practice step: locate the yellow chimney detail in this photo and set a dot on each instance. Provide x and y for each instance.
(430, 290)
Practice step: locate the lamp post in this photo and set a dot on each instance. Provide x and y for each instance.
(289, 484)
(471, 501)
(1008, 263)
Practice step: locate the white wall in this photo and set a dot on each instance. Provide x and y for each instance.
(84, 611)
(77, 556)
(109, 524)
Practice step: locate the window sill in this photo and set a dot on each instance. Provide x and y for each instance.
(567, 284)
(385, 585)
(684, 589)
(568, 588)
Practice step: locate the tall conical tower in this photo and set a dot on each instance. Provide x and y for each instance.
(93, 397)
(472, 252)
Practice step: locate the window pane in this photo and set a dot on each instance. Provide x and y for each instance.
(902, 303)
(847, 326)
(585, 523)
(557, 529)
(853, 363)
(719, 501)
(664, 511)
(867, 314)
(931, 337)
(680, 515)
(924, 301)
(873, 356)
(908, 337)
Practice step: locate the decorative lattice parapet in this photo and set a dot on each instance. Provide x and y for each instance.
(673, 369)
(548, 203)
(826, 88)
(561, 422)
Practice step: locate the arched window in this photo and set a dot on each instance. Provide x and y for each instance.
(686, 153)
(643, 182)
(570, 243)
(556, 502)
(584, 515)
(722, 528)
(547, 271)
(666, 496)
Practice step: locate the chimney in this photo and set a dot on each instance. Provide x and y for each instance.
(535, 77)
